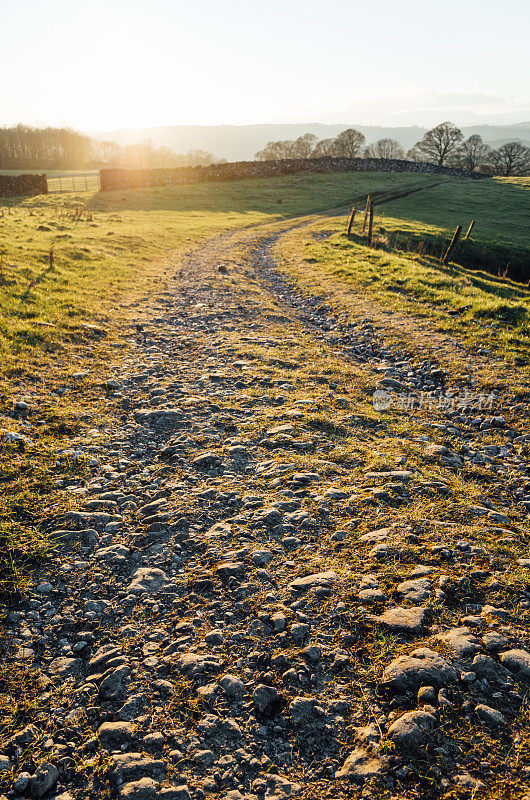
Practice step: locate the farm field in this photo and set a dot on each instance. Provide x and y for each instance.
(190, 430)
(102, 242)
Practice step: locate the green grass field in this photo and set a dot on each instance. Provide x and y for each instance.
(499, 207)
(480, 306)
(104, 252)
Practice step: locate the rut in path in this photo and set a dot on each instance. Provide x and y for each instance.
(258, 555)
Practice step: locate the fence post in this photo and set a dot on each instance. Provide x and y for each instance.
(452, 244)
(468, 234)
(367, 211)
(86, 185)
(370, 223)
(350, 221)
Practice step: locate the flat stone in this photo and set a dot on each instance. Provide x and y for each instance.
(159, 418)
(411, 731)
(264, 697)
(65, 666)
(233, 686)
(280, 788)
(320, 580)
(380, 535)
(423, 667)
(518, 662)
(403, 620)
(371, 596)
(195, 665)
(486, 667)
(433, 450)
(44, 780)
(112, 684)
(132, 707)
(415, 591)
(361, 765)
(114, 554)
(490, 715)
(260, 558)
(231, 569)
(102, 655)
(495, 641)
(88, 520)
(147, 579)
(128, 767)
(305, 710)
(144, 789)
(460, 641)
(115, 735)
(206, 461)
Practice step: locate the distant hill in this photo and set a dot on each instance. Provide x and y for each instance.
(241, 142)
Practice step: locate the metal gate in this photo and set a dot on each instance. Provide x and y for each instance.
(74, 182)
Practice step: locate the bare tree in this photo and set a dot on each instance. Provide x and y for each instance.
(326, 147)
(414, 154)
(439, 143)
(385, 148)
(471, 153)
(303, 146)
(23, 147)
(276, 150)
(512, 158)
(350, 143)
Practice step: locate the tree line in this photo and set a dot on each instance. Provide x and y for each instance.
(444, 145)
(37, 149)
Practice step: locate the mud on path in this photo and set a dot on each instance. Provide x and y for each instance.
(272, 589)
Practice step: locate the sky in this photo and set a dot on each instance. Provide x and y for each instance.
(108, 64)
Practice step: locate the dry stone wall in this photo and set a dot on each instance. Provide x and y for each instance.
(237, 170)
(22, 185)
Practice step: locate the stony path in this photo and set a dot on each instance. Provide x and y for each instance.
(271, 590)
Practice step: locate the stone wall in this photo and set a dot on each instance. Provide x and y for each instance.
(23, 185)
(238, 170)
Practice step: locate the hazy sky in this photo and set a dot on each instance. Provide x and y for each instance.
(106, 64)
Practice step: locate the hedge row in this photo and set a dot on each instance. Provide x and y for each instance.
(22, 185)
(138, 178)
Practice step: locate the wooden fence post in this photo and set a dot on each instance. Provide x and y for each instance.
(452, 244)
(371, 224)
(468, 234)
(367, 211)
(350, 221)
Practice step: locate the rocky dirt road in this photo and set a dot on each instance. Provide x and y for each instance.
(272, 589)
